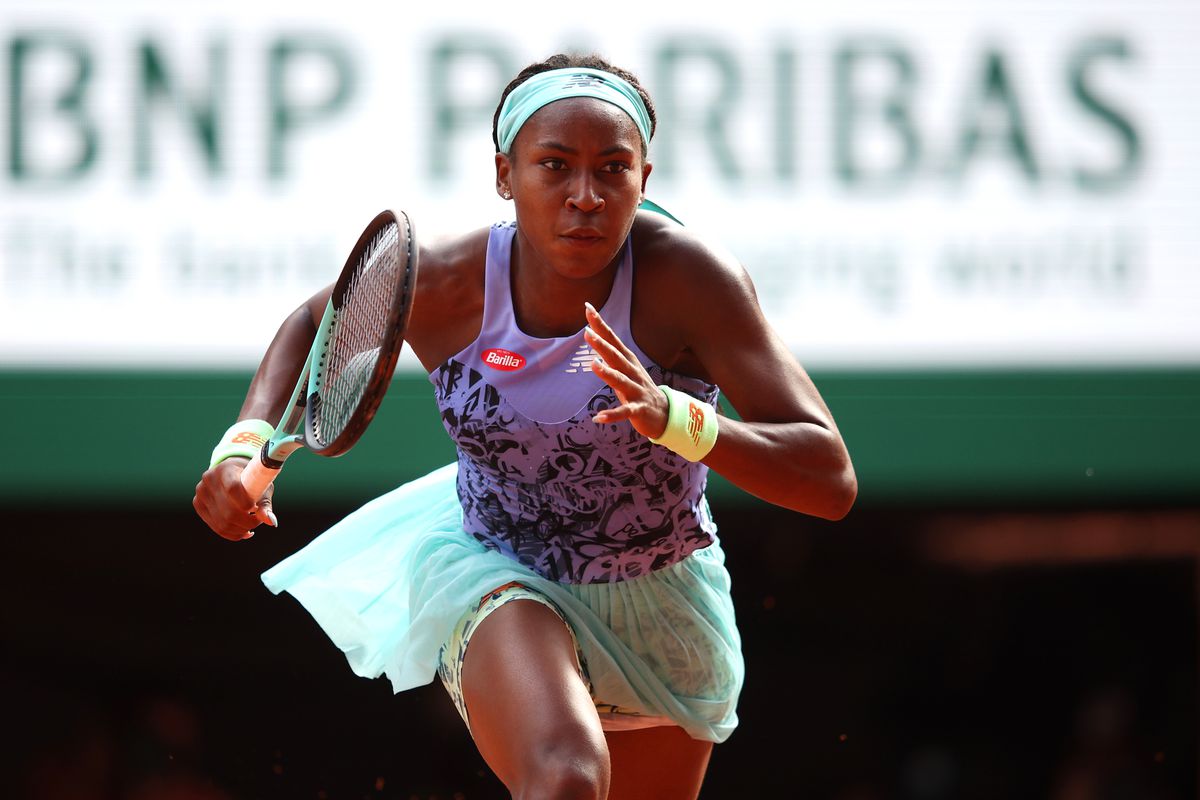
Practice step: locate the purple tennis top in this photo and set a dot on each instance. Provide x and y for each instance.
(539, 481)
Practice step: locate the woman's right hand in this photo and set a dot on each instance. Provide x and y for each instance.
(220, 499)
(223, 504)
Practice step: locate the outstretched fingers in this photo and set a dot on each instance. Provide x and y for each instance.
(641, 401)
(618, 359)
(606, 334)
(612, 367)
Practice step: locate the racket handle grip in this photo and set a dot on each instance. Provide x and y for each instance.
(256, 477)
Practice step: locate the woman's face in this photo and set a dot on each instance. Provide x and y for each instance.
(577, 175)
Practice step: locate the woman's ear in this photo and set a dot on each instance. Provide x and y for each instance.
(647, 168)
(503, 176)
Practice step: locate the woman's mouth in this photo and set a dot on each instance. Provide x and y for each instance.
(582, 237)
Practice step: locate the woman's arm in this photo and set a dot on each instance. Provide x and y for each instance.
(445, 318)
(220, 499)
(786, 448)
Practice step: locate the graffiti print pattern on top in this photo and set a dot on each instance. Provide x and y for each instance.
(574, 501)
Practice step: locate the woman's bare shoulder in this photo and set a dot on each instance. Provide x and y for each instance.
(452, 263)
(448, 304)
(685, 286)
(684, 263)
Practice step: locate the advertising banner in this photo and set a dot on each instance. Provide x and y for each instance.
(909, 185)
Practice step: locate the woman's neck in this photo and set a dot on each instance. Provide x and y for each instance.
(548, 304)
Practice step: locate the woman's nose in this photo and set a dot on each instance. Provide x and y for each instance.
(583, 194)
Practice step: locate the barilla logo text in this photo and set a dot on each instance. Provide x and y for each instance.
(506, 360)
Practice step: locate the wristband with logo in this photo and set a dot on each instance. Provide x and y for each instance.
(691, 425)
(244, 438)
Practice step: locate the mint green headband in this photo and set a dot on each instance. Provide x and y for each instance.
(558, 84)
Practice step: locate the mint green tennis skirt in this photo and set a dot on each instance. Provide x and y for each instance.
(390, 582)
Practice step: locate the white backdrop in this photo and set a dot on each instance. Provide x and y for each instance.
(918, 184)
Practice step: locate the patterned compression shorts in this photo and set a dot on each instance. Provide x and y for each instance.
(450, 659)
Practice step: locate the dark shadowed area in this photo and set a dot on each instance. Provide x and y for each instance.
(901, 653)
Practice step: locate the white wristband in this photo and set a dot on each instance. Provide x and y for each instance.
(244, 438)
(691, 425)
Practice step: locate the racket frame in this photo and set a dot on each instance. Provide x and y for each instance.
(296, 429)
(390, 345)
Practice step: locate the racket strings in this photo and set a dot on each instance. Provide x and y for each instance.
(358, 334)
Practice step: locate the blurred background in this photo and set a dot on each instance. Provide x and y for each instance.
(974, 222)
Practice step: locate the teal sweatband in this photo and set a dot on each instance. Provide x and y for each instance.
(244, 438)
(691, 425)
(558, 84)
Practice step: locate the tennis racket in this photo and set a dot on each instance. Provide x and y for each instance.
(353, 355)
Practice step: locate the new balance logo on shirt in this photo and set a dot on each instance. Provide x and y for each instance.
(582, 360)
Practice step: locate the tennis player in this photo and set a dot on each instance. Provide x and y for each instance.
(564, 578)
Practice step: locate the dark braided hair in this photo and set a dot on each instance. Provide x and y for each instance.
(563, 61)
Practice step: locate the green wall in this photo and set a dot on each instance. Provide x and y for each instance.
(917, 438)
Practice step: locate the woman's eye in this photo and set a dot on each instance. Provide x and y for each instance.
(616, 167)
(554, 163)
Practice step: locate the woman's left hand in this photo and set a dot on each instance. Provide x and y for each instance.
(641, 401)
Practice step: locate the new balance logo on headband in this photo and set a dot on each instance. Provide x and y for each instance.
(582, 81)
